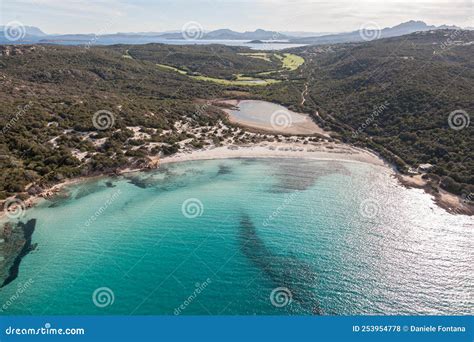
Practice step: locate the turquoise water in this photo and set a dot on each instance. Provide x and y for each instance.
(217, 237)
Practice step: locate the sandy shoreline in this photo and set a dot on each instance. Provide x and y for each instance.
(47, 193)
(324, 151)
(318, 151)
(314, 151)
(451, 203)
(282, 121)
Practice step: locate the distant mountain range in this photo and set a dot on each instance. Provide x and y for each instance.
(371, 33)
(29, 35)
(23, 30)
(33, 35)
(226, 34)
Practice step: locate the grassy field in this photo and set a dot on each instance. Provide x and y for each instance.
(127, 55)
(239, 81)
(289, 62)
(167, 67)
(292, 62)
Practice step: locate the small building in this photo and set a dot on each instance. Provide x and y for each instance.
(424, 167)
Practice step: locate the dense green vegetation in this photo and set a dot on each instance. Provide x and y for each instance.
(291, 61)
(203, 60)
(392, 95)
(395, 96)
(48, 96)
(287, 61)
(237, 80)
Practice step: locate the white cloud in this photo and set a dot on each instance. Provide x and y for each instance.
(80, 16)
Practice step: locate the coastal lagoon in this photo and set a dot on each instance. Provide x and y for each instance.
(268, 116)
(271, 45)
(245, 236)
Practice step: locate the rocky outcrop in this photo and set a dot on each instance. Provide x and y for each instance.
(15, 243)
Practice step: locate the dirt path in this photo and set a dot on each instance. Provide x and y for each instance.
(304, 93)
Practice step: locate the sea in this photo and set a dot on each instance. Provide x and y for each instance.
(244, 237)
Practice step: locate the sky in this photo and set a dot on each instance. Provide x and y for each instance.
(110, 16)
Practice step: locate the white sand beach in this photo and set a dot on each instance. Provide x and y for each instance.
(330, 151)
(316, 151)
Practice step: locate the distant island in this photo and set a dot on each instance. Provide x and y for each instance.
(258, 41)
(33, 35)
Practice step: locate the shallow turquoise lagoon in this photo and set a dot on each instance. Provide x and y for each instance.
(245, 236)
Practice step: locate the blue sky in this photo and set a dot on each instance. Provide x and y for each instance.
(109, 16)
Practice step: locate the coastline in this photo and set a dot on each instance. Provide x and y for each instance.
(325, 151)
(49, 192)
(319, 151)
(330, 151)
(452, 203)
